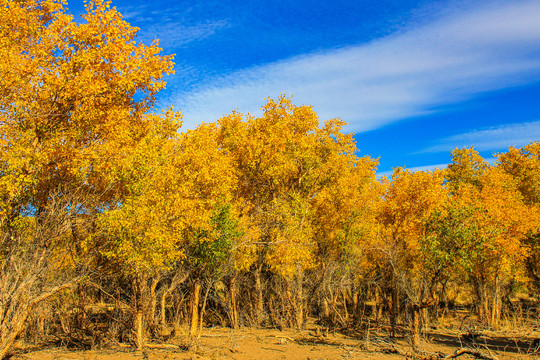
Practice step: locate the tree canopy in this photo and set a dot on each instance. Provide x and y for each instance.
(101, 189)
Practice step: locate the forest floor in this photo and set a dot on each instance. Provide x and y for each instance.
(248, 344)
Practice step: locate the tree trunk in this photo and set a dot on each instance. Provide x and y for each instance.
(480, 288)
(425, 317)
(140, 285)
(377, 309)
(259, 309)
(175, 282)
(300, 303)
(195, 308)
(392, 307)
(496, 305)
(344, 297)
(234, 308)
(15, 314)
(415, 326)
(163, 304)
(8, 333)
(138, 326)
(326, 308)
(333, 307)
(203, 310)
(153, 303)
(355, 300)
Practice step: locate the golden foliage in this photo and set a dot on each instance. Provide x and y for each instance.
(68, 91)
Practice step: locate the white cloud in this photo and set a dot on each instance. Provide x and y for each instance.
(168, 25)
(492, 138)
(411, 73)
(174, 34)
(131, 12)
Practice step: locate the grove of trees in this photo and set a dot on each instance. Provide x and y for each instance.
(116, 225)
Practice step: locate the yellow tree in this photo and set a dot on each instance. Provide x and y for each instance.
(523, 164)
(345, 226)
(71, 95)
(283, 160)
(174, 184)
(493, 221)
(410, 199)
(68, 90)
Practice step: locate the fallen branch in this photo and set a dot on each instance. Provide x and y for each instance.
(476, 353)
(267, 348)
(163, 346)
(437, 356)
(285, 337)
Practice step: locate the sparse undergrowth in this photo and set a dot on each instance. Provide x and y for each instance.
(314, 342)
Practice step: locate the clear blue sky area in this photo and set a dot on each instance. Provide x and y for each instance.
(414, 79)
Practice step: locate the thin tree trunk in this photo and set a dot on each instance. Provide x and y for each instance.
(259, 309)
(392, 307)
(496, 305)
(175, 282)
(234, 308)
(481, 288)
(378, 305)
(326, 308)
(289, 307)
(203, 310)
(19, 315)
(333, 307)
(153, 301)
(139, 328)
(163, 304)
(356, 305)
(139, 290)
(345, 309)
(195, 308)
(10, 333)
(425, 318)
(300, 304)
(416, 326)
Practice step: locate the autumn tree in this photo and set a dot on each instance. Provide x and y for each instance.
(411, 269)
(71, 95)
(174, 184)
(68, 92)
(345, 226)
(523, 164)
(493, 221)
(209, 256)
(41, 255)
(283, 160)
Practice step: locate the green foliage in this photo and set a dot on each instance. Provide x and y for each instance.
(210, 249)
(450, 236)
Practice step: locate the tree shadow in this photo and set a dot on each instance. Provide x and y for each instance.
(500, 343)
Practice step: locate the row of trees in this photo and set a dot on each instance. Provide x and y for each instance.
(102, 195)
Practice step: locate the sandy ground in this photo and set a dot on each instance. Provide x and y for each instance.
(248, 344)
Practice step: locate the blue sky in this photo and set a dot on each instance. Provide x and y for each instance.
(414, 79)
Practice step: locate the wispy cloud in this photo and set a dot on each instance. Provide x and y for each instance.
(410, 73)
(132, 12)
(492, 138)
(174, 34)
(169, 25)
